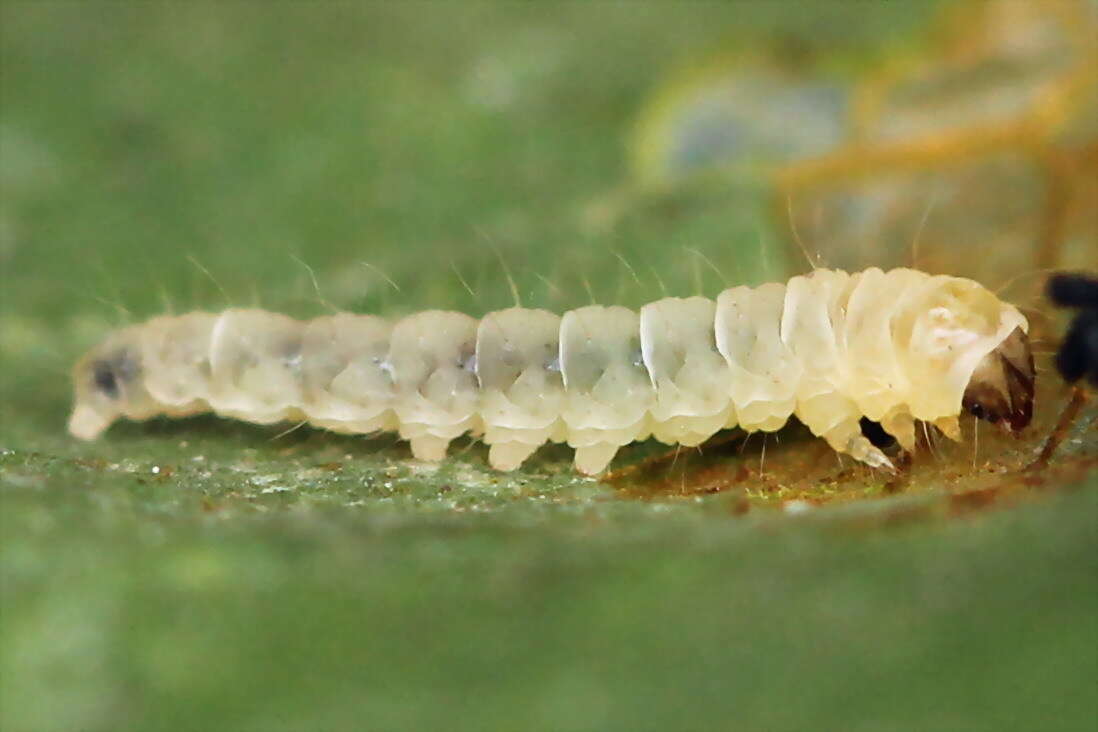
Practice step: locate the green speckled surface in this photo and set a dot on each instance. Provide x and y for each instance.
(206, 574)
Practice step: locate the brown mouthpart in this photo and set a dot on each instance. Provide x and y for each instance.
(1002, 385)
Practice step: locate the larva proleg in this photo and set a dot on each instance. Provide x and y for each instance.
(829, 347)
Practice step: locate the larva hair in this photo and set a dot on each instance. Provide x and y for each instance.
(829, 347)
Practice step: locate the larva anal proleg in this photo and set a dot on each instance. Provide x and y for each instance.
(829, 347)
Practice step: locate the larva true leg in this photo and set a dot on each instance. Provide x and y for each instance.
(900, 425)
(858, 446)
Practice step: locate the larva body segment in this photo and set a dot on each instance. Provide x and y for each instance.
(347, 382)
(521, 385)
(813, 328)
(688, 373)
(177, 371)
(764, 374)
(609, 392)
(255, 366)
(432, 364)
(829, 347)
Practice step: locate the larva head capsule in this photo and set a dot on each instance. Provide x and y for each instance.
(1001, 387)
(107, 383)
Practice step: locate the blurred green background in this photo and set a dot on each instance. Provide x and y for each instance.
(205, 574)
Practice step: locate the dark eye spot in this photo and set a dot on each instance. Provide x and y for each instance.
(977, 411)
(105, 380)
(110, 374)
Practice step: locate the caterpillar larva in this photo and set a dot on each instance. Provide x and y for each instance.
(828, 347)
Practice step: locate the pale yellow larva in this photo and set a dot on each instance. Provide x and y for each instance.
(829, 348)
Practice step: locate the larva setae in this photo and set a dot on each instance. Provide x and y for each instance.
(828, 347)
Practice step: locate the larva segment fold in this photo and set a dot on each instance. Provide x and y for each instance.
(432, 363)
(688, 373)
(829, 348)
(176, 356)
(813, 328)
(347, 376)
(608, 390)
(876, 378)
(763, 373)
(255, 366)
(521, 385)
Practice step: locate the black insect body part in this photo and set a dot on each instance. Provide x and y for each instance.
(1078, 354)
(1077, 357)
